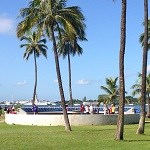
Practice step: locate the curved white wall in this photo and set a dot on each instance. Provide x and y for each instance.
(75, 119)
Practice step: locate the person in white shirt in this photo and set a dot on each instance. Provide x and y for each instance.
(105, 109)
(91, 109)
(87, 109)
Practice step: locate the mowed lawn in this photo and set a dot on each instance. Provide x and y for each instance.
(17, 137)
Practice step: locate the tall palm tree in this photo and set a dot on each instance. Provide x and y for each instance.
(111, 89)
(141, 126)
(120, 121)
(35, 46)
(69, 46)
(47, 16)
(137, 88)
(142, 43)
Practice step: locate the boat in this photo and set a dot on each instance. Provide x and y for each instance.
(37, 102)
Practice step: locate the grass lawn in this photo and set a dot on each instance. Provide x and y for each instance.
(17, 137)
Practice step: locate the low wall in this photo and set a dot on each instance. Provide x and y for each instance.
(75, 119)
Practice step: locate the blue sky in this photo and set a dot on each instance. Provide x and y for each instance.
(99, 60)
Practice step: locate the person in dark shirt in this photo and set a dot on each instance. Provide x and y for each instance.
(35, 109)
(0, 110)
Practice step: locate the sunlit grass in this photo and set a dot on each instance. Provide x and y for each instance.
(2, 118)
(81, 138)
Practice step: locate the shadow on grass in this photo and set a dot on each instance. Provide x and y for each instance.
(137, 140)
(147, 139)
(90, 129)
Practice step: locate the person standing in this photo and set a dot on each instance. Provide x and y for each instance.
(35, 109)
(82, 108)
(5, 110)
(0, 110)
(87, 109)
(105, 109)
(112, 109)
(91, 109)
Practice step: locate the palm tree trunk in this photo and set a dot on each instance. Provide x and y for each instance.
(70, 88)
(120, 121)
(35, 85)
(141, 127)
(66, 119)
(148, 110)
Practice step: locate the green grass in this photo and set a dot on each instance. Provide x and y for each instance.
(19, 137)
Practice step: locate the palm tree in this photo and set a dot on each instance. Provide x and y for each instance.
(35, 46)
(147, 78)
(69, 46)
(47, 16)
(141, 39)
(120, 121)
(141, 126)
(137, 88)
(111, 89)
(104, 98)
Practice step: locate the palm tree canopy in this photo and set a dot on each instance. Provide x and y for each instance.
(34, 45)
(47, 13)
(138, 86)
(111, 88)
(69, 45)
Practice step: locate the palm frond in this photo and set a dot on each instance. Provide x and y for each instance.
(106, 89)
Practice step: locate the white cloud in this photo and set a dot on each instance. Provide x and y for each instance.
(6, 25)
(82, 82)
(55, 81)
(22, 83)
(148, 68)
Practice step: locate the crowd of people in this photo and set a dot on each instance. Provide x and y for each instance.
(9, 110)
(90, 109)
(108, 110)
(86, 109)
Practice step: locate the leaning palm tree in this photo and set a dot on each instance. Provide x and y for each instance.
(35, 46)
(69, 46)
(47, 16)
(120, 121)
(141, 126)
(111, 89)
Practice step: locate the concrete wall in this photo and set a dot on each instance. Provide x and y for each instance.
(75, 119)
